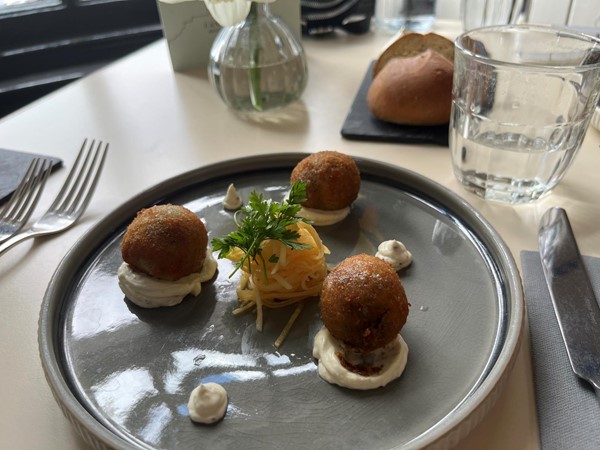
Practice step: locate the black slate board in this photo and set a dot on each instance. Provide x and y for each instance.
(361, 125)
(13, 166)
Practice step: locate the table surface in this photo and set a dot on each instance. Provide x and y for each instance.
(160, 124)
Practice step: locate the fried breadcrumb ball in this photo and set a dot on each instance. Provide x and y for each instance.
(166, 242)
(363, 303)
(332, 178)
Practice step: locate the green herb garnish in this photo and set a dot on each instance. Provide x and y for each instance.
(264, 219)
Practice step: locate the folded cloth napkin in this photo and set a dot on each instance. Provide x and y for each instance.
(568, 410)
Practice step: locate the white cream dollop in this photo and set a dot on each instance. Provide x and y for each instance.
(395, 253)
(232, 200)
(207, 403)
(322, 217)
(149, 292)
(392, 364)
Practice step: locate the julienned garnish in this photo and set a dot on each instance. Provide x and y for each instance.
(281, 256)
(264, 219)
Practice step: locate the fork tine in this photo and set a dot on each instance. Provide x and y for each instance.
(23, 187)
(36, 187)
(74, 170)
(79, 183)
(90, 181)
(83, 178)
(27, 195)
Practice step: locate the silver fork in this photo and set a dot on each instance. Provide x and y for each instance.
(73, 198)
(18, 209)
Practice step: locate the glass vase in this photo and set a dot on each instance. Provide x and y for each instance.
(258, 65)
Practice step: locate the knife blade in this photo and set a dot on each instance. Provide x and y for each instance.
(575, 304)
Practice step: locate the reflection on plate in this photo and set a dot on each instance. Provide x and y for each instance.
(123, 374)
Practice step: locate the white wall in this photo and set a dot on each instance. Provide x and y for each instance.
(583, 12)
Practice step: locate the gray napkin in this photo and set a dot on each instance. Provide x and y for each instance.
(568, 410)
(13, 166)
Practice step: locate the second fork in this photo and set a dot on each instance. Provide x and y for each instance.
(18, 209)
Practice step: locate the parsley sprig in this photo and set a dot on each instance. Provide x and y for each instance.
(264, 219)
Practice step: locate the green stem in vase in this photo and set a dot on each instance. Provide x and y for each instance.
(255, 75)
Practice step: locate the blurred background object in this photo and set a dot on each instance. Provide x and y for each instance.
(481, 13)
(411, 15)
(45, 44)
(72, 38)
(325, 16)
(573, 13)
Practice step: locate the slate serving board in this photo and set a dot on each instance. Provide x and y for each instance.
(13, 165)
(361, 125)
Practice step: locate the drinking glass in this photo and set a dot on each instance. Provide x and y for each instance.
(522, 99)
(413, 15)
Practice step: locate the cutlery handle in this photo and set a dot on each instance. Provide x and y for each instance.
(10, 243)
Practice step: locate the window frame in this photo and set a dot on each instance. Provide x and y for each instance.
(70, 40)
(73, 20)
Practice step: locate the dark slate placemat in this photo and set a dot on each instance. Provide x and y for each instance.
(568, 410)
(13, 166)
(361, 125)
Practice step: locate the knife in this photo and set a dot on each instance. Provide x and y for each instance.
(572, 295)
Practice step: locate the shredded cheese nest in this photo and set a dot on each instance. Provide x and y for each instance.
(297, 275)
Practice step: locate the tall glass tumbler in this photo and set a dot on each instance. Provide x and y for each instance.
(523, 97)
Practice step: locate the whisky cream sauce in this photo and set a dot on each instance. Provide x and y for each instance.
(392, 362)
(149, 292)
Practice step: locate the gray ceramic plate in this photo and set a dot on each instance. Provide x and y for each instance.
(123, 374)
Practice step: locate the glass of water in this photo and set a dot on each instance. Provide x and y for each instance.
(523, 97)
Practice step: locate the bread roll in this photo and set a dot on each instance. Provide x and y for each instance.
(412, 44)
(413, 91)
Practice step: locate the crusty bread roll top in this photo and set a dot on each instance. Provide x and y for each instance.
(413, 91)
(412, 44)
(412, 81)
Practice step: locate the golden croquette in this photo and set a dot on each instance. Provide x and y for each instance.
(332, 179)
(166, 242)
(363, 303)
